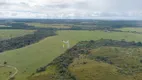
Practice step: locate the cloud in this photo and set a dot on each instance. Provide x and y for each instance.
(71, 9)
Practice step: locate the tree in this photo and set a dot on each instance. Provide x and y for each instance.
(139, 44)
(5, 63)
(140, 61)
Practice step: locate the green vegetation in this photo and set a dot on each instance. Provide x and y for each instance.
(3, 26)
(31, 57)
(5, 72)
(98, 71)
(31, 60)
(125, 64)
(132, 29)
(128, 60)
(7, 34)
(105, 63)
(19, 42)
(44, 60)
(94, 70)
(44, 25)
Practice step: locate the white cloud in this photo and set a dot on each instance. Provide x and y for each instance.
(71, 9)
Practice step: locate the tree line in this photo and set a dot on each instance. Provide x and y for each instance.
(22, 41)
(83, 47)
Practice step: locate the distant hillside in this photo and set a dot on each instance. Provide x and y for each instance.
(95, 60)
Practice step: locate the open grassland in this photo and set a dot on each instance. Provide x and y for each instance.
(95, 71)
(42, 25)
(128, 60)
(29, 58)
(4, 26)
(5, 73)
(125, 64)
(7, 34)
(137, 29)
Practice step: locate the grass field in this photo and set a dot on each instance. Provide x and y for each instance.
(29, 58)
(4, 26)
(4, 73)
(131, 29)
(40, 25)
(7, 34)
(95, 71)
(126, 64)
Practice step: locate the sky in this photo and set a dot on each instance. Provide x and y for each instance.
(71, 9)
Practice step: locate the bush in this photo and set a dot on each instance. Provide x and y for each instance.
(140, 61)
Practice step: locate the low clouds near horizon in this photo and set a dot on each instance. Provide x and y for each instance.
(73, 9)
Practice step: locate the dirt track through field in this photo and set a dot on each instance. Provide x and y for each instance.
(9, 66)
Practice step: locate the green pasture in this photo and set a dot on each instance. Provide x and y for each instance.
(42, 25)
(137, 29)
(5, 72)
(7, 34)
(4, 26)
(31, 57)
(125, 65)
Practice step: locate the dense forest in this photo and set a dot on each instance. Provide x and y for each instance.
(22, 41)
